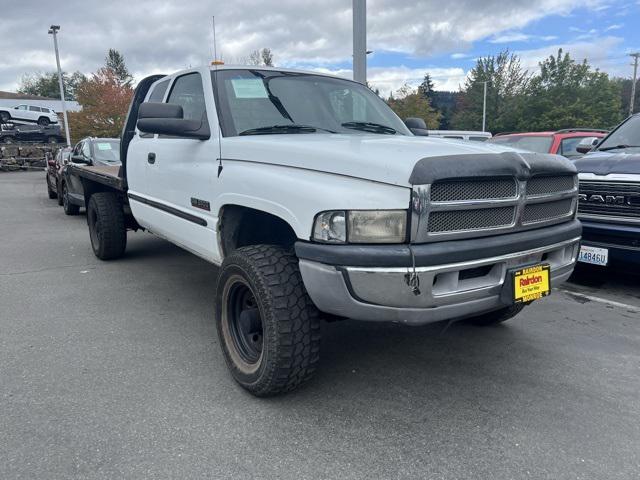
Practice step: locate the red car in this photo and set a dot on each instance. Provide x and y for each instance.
(562, 142)
(55, 166)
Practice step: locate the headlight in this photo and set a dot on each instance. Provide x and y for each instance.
(361, 226)
(330, 227)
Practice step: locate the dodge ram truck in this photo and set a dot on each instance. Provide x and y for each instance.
(609, 198)
(316, 201)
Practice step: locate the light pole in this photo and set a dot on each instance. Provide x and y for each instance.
(53, 30)
(484, 106)
(633, 83)
(360, 41)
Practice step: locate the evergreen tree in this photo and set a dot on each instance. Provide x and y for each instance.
(426, 87)
(115, 62)
(47, 84)
(407, 102)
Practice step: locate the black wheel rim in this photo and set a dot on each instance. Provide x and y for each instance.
(244, 322)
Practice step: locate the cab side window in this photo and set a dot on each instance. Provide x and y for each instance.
(157, 95)
(188, 93)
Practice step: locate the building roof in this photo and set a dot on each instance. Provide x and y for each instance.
(23, 96)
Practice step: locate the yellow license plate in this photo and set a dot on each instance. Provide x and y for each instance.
(531, 283)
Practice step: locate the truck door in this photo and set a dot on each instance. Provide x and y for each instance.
(181, 174)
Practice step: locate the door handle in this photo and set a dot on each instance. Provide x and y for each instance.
(151, 158)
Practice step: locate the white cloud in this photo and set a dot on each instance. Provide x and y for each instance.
(457, 56)
(598, 52)
(165, 35)
(510, 37)
(615, 26)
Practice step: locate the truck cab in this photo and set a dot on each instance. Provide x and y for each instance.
(315, 200)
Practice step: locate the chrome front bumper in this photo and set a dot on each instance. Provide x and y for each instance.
(448, 291)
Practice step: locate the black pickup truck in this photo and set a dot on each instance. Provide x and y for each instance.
(10, 133)
(609, 201)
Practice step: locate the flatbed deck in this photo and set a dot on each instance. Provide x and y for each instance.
(110, 175)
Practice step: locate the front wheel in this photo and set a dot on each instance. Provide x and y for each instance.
(268, 327)
(497, 316)
(44, 121)
(107, 227)
(68, 207)
(4, 117)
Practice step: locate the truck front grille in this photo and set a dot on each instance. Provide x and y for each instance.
(463, 220)
(542, 212)
(546, 185)
(460, 190)
(467, 208)
(610, 199)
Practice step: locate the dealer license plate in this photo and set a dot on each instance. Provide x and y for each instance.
(531, 283)
(594, 255)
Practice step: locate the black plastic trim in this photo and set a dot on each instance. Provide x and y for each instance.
(512, 164)
(437, 253)
(168, 209)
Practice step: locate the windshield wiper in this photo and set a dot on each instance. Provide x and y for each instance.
(287, 128)
(618, 146)
(370, 127)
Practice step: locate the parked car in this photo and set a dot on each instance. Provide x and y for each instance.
(55, 165)
(609, 205)
(28, 113)
(461, 135)
(313, 196)
(562, 142)
(12, 133)
(101, 153)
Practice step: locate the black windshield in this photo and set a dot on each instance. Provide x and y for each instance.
(257, 100)
(626, 135)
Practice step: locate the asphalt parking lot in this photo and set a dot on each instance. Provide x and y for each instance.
(113, 370)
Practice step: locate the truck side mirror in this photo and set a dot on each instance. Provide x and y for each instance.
(168, 119)
(417, 126)
(80, 159)
(587, 144)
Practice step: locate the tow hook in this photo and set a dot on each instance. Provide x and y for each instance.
(411, 278)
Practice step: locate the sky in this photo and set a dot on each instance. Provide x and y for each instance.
(409, 38)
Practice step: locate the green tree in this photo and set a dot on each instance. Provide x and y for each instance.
(569, 94)
(45, 84)
(408, 102)
(426, 87)
(507, 83)
(115, 62)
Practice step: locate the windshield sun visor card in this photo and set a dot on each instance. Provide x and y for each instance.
(249, 88)
(104, 146)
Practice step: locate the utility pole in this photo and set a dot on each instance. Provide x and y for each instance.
(53, 30)
(484, 106)
(633, 83)
(360, 41)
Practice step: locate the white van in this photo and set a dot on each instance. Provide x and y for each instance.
(461, 135)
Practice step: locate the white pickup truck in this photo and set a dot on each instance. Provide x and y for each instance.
(316, 200)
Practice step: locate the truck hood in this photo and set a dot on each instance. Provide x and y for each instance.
(605, 163)
(381, 158)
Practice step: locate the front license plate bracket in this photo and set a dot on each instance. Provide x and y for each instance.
(526, 284)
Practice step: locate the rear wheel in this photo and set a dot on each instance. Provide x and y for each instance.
(44, 121)
(268, 327)
(59, 193)
(107, 228)
(497, 316)
(4, 117)
(69, 208)
(52, 193)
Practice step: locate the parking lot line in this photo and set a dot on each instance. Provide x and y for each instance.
(600, 300)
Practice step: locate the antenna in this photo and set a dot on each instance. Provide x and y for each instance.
(215, 48)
